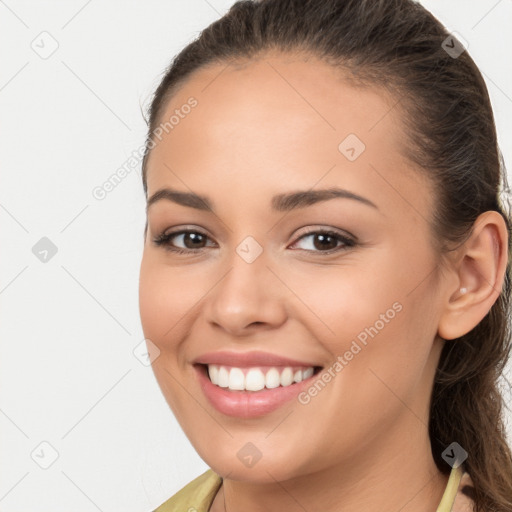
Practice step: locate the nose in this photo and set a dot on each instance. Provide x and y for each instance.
(248, 298)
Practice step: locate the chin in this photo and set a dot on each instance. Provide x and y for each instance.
(250, 464)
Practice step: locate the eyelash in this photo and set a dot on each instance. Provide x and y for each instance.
(164, 240)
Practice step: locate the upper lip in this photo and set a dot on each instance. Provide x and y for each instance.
(245, 359)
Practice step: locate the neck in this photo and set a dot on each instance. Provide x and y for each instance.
(398, 473)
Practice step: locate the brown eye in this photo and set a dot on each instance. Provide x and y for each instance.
(325, 242)
(182, 241)
(193, 240)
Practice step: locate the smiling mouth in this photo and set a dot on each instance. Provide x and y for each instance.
(256, 378)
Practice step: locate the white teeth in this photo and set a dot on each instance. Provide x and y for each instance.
(236, 379)
(286, 377)
(272, 379)
(254, 379)
(223, 377)
(213, 372)
(307, 373)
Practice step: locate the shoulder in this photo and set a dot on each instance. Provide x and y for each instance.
(465, 493)
(196, 496)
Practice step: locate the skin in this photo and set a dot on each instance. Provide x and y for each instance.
(273, 126)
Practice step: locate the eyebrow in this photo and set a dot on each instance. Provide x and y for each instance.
(280, 203)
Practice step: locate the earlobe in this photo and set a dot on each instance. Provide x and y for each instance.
(480, 268)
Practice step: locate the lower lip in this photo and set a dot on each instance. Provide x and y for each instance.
(248, 404)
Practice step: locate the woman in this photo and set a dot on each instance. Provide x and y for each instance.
(326, 273)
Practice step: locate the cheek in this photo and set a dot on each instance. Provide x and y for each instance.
(373, 317)
(164, 302)
(386, 368)
(345, 298)
(153, 304)
(166, 296)
(376, 372)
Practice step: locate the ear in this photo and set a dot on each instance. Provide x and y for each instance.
(479, 269)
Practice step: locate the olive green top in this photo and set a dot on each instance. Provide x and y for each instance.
(198, 495)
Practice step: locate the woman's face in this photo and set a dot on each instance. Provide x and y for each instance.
(265, 296)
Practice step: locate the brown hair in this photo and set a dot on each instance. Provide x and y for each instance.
(399, 45)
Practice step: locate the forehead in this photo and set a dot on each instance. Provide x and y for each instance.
(296, 87)
(283, 120)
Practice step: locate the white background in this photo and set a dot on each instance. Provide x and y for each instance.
(68, 327)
